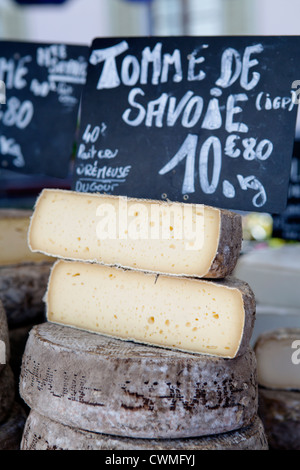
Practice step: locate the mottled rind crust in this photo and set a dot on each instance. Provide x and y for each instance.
(117, 387)
(230, 243)
(22, 288)
(7, 392)
(4, 335)
(41, 433)
(11, 430)
(280, 414)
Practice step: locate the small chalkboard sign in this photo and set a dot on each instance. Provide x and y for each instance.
(38, 117)
(195, 119)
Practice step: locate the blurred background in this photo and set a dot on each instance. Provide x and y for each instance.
(82, 20)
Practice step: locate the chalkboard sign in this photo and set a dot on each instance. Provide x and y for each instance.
(197, 119)
(43, 85)
(287, 224)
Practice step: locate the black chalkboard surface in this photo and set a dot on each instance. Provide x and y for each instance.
(197, 119)
(287, 224)
(43, 85)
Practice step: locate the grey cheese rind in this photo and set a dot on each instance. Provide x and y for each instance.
(41, 433)
(4, 338)
(229, 248)
(7, 392)
(22, 289)
(279, 411)
(117, 387)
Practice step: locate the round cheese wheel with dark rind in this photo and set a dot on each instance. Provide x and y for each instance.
(22, 289)
(41, 433)
(279, 411)
(117, 387)
(11, 430)
(4, 338)
(7, 392)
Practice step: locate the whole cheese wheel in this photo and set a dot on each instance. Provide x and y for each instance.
(41, 433)
(117, 387)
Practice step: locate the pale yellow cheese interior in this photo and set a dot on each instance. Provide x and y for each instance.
(278, 363)
(187, 314)
(13, 239)
(80, 226)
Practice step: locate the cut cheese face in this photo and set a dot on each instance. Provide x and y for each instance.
(156, 236)
(14, 249)
(278, 359)
(186, 314)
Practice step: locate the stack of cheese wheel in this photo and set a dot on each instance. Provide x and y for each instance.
(12, 415)
(147, 340)
(278, 368)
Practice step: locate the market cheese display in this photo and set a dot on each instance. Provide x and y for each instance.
(146, 341)
(164, 237)
(188, 314)
(42, 433)
(278, 361)
(117, 387)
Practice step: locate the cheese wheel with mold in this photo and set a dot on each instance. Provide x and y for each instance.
(202, 316)
(110, 386)
(149, 235)
(41, 433)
